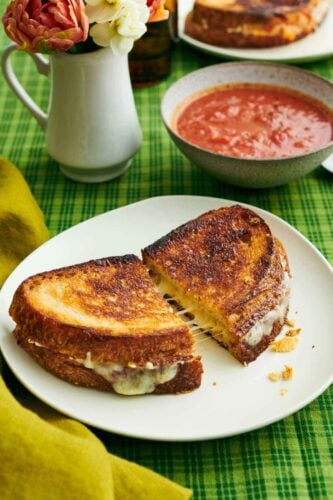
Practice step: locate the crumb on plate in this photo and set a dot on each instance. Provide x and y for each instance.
(286, 344)
(290, 322)
(274, 377)
(288, 372)
(214, 383)
(283, 391)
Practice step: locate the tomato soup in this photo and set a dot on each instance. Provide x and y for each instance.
(252, 121)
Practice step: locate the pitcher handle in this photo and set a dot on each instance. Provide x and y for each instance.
(43, 68)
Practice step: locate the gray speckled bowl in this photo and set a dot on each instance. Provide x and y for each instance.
(253, 173)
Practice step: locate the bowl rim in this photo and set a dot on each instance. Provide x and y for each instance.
(293, 69)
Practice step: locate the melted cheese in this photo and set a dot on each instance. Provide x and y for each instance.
(131, 381)
(264, 326)
(128, 380)
(35, 343)
(206, 321)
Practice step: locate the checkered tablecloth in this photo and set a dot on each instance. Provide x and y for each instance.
(292, 458)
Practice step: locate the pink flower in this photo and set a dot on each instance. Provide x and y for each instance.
(46, 25)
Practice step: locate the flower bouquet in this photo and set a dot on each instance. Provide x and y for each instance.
(77, 26)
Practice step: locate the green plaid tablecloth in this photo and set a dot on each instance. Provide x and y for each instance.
(292, 458)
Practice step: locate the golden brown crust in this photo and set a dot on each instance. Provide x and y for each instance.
(227, 263)
(166, 349)
(151, 331)
(254, 23)
(226, 259)
(187, 378)
(266, 294)
(209, 252)
(115, 295)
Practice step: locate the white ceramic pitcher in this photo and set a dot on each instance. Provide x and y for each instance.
(92, 128)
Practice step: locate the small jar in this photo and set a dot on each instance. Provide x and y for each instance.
(150, 59)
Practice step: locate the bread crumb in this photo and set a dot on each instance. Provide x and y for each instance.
(290, 322)
(286, 344)
(288, 372)
(214, 383)
(293, 333)
(283, 391)
(274, 377)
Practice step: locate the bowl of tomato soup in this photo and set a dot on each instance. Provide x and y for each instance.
(251, 124)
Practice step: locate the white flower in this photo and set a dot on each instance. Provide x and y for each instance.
(127, 24)
(101, 11)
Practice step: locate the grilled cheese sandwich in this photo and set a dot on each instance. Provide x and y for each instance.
(254, 23)
(229, 273)
(103, 324)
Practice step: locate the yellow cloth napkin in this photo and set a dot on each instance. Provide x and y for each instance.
(45, 455)
(22, 226)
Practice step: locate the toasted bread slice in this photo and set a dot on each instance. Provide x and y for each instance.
(187, 376)
(254, 23)
(228, 272)
(104, 316)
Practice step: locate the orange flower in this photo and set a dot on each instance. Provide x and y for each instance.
(157, 9)
(46, 26)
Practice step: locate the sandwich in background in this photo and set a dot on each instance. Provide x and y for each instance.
(103, 324)
(226, 270)
(254, 23)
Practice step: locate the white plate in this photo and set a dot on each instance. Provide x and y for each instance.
(328, 164)
(314, 47)
(243, 398)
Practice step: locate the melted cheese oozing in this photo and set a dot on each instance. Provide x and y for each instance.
(202, 318)
(128, 380)
(131, 381)
(264, 326)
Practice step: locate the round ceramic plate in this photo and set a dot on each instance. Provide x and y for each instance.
(232, 398)
(314, 47)
(328, 164)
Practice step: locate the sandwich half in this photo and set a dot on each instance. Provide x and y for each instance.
(227, 272)
(103, 324)
(254, 23)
